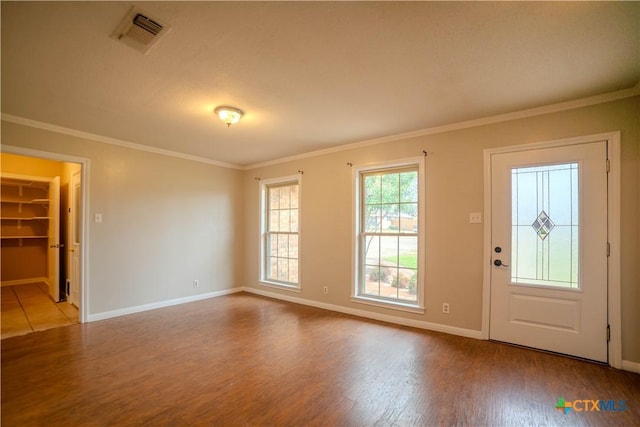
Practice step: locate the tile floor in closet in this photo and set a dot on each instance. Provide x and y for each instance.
(29, 308)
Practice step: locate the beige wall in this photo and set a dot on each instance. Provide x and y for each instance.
(454, 176)
(166, 221)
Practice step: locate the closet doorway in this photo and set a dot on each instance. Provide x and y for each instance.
(41, 252)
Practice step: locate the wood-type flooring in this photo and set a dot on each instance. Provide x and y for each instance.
(248, 360)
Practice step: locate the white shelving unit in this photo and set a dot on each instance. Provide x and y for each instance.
(29, 230)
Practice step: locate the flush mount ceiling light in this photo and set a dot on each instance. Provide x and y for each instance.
(229, 115)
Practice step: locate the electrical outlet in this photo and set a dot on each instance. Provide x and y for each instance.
(325, 290)
(196, 283)
(445, 307)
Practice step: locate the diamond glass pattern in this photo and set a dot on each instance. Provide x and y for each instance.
(543, 225)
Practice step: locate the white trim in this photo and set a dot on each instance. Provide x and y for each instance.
(280, 286)
(161, 304)
(532, 112)
(420, 324)
(24, 281)
(113, 141)
(630, 366)
(613, 188)
(394, 305)
(84, 226)
(615, 279)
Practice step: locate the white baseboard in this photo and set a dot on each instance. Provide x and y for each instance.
(139, 308)
(24, 281)
(453, 330)
(627, 365)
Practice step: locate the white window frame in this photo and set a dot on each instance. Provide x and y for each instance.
(357, 267)
(264, 186)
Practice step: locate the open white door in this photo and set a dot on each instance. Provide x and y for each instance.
(74, 251)
(54, 239)
(549, 249)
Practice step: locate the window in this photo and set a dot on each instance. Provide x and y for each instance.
(389, 217)
(280, 232)
(545, 225)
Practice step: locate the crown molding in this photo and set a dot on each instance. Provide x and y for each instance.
(538, 111)
(113, 141)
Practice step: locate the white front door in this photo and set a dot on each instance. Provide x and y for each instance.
(549, 249)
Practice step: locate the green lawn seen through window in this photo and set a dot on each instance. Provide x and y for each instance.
(407, 260)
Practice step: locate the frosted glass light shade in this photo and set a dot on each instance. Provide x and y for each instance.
(229, 115)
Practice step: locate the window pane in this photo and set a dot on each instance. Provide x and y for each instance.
(284, 220)
(274, 220)
(272, 244)
(372, 189)
(372, 280)
(283, 270)
(285, 197)
(391, 188)
(544, 232)
(372, 250)
(274, 198)
(283, 246)
(389, 250)
(409, 187)
(409, 218)
(294, 196)
(293, 246)
(272, 274)
(372, 218)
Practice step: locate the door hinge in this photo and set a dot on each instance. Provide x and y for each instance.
(608, 166)
(608, 249)
(608, 333)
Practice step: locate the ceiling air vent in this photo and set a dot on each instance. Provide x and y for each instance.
(140, 31)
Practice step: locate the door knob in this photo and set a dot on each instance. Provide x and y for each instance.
(498, 263)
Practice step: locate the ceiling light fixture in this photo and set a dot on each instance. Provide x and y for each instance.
(229, 115)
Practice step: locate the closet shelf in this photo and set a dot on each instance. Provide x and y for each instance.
(24, 237)
(10, 182)
(31, 218)
(26, 202)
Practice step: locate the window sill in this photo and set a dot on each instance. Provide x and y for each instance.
(280, 286)
(410, 308)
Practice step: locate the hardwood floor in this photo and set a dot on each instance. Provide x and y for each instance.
(249, 360)
(28, 308)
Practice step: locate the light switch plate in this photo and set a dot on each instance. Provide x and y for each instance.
(98, 218)
(475, 218)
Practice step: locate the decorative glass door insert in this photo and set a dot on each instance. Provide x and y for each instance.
(545, 225)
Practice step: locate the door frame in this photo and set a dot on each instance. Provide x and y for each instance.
(84, 224)
(613, 232)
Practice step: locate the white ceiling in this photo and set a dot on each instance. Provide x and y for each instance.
(309, 75)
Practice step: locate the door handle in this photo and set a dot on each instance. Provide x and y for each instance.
(498, 263)
(59, 245)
